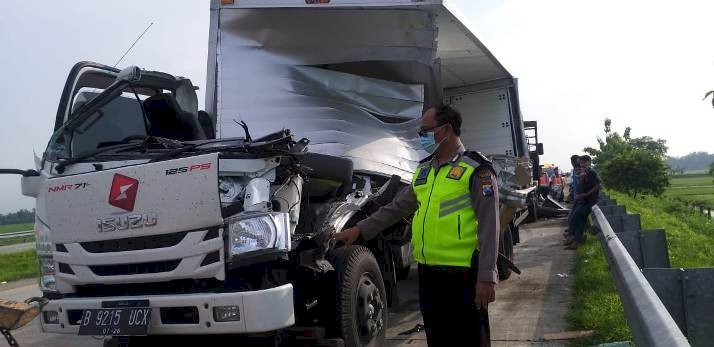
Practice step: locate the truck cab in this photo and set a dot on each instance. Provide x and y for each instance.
(154, 217)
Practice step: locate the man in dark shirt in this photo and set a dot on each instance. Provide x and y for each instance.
(586, 195)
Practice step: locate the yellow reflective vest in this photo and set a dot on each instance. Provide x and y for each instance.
(444, 229)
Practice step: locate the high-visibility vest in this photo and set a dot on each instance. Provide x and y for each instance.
(544, 179)
(444, 228)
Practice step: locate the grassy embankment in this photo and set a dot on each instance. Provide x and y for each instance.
(9, 228)
(14, 266)
(597, 305)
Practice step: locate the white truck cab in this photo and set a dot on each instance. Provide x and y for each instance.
(156, 218)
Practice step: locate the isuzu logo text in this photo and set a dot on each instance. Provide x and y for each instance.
(123, 192)
(185, 169)
(126, 222)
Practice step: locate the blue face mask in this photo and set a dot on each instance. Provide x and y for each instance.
(427, 141)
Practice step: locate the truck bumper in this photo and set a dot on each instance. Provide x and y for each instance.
(260, 311)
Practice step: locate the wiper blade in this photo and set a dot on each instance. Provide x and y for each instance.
(123, 145)
(272, 143)
(62, 165)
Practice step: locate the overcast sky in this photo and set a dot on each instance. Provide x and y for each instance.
(644, 64)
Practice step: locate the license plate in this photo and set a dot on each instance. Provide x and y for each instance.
(115, 321)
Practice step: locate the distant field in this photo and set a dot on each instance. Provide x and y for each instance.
(9, 228)
(694, 188)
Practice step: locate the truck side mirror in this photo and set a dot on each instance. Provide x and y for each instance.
(31, 185)
(539, 148)
(30, 182)
(207, 124)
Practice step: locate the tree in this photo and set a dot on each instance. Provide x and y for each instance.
(21, 216)
(711, 170)
(631, 165)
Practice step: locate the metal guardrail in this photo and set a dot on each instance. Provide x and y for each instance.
(28, 233)
(651, 323)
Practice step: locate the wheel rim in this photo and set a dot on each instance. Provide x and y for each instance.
(370, 308)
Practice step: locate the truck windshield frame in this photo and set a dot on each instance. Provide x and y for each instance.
(105, 119)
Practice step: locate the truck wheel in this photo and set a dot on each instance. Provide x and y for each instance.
(361, 297)
(505, 248)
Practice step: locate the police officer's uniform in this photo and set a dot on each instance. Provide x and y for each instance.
(455, 233)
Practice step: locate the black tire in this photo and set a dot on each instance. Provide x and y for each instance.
(505, 248)
(361, 305)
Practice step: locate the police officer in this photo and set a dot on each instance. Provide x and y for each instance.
(455, 232)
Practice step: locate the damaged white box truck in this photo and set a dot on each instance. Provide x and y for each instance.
(156, 218)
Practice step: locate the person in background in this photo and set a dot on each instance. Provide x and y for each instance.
(586, 196)
(575, 162)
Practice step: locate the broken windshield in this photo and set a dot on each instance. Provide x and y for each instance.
(115, 121)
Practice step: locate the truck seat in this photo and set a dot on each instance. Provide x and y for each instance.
(166, 119)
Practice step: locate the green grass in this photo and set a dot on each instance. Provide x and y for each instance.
(597, 306)
(15, 266)
(10, 228)
(693, 180)
(697, 189)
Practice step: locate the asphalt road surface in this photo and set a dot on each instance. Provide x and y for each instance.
(527, 306)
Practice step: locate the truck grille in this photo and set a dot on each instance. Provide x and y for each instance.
(135, 269)
(134, 243)
(155, 288)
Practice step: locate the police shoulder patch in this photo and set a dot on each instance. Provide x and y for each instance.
(484, 178)
(456, 172)
(487, 190)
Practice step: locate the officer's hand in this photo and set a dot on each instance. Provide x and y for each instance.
(348, 236)
(485, 293)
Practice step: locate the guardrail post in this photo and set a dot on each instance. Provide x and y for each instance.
(648, 248)
(687, 295)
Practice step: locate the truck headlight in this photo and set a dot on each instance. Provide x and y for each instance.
(46, 262)
(258, 231)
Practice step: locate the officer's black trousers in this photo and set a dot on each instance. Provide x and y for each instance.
(446, 299)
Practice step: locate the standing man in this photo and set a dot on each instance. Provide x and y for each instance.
(575, 162)
(455, 232)
(586, 196)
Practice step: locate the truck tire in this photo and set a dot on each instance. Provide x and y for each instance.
(361, 302)
(505, 248)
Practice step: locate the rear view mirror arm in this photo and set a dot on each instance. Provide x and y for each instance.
(23, 173)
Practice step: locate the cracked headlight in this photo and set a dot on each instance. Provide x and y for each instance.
(254, 232)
